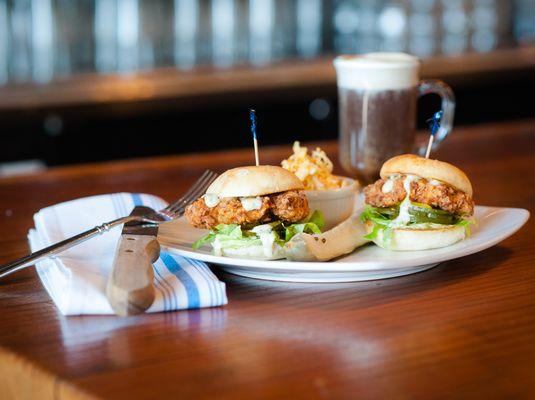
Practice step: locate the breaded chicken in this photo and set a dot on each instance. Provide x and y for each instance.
(441, 196)
(230, 211)
(200, 215)
(290, 206)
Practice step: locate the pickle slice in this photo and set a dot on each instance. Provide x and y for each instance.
(420, 215)
(388, 212)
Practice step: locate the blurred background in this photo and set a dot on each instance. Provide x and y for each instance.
(90, 80)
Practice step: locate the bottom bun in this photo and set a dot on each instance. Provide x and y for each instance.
(404, 239)
(253, 252)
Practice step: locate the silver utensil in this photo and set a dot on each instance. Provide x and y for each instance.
(173, 211)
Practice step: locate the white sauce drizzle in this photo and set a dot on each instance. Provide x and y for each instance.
(389, 184)
(211, 200)
(267, 237)
(268, 240)
(251, 203)
(266, 228)
(434, 182)
(404, 217)
(216, 244)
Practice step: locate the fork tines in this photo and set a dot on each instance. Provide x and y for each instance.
(177, 208)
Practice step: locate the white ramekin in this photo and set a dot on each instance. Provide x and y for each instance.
(336, 204)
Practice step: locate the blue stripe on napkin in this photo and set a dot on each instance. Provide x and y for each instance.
(205, 272)
(136, 198)
(190, 285)
(164, 291)
(213, 292)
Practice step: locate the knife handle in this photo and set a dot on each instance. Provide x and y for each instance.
(130, 287)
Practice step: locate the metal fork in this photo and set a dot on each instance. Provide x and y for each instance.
(173, 211)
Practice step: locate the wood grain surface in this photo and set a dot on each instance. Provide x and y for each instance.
(465, 329)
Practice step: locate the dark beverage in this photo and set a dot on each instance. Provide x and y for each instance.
(377, 125)
(377, 95)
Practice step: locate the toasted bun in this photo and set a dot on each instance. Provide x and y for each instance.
(428, 169)
(419, 239)
(254, 181)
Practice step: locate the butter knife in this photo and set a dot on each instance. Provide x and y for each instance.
(130, 288)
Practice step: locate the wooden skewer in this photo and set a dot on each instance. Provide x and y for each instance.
(256, 152)
(252, 115)
(429, 145)
(434, 124)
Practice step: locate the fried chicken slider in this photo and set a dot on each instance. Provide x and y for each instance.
(252, 212)
(418, 204)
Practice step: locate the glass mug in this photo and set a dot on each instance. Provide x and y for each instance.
(377, 97)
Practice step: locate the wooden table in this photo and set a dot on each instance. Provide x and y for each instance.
(464, 329)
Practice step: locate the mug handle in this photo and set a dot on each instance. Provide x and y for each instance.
(448, 109)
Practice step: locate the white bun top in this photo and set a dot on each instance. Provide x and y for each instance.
(428, 169)
(377, 71)
(254, 181)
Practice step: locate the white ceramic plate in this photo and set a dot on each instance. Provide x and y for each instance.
(365, 263)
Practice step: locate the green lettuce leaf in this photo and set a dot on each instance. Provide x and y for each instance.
(466, 223)
(373, 234)
(419, 214)
(317, 219)
(233, 235)
(209, 238)
(313, 224)
(230, 231)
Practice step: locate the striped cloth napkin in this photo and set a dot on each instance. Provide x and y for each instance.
(76, 279)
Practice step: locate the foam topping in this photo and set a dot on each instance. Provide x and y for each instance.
(377, 71)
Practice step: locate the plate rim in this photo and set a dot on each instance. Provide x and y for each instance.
(349, 266)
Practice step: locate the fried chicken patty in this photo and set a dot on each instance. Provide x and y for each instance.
(290, 206)
(438, 196)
